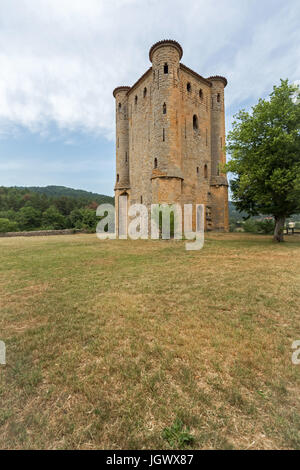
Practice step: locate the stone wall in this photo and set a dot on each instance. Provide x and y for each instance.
(41, 233)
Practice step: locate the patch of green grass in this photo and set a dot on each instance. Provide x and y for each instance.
(178, 436)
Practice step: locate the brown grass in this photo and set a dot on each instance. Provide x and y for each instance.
(109, 342)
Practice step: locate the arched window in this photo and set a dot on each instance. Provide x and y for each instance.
(201, 94)
(145, 92)
(164, 108)
(155, 162)
(118, 177)
(218, 97)
(166, 68)
(205, 171)
(135, 99)
(195, 122)
(163, 135)
(188, 87)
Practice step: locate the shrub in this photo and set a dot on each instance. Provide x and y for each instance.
(7, 225)
(53, 218)
(266, 226)
(29, 218)
(259, 226)
(84, 219)
(250, 226)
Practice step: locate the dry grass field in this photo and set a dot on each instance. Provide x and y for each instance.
(111, 342)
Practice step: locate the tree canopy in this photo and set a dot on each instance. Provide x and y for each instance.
(264, 145)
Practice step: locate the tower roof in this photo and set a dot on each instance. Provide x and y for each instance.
(166, 42)
(218, 77)
(120, 88)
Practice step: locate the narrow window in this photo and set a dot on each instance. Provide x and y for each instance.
(195, 122)
(118, 178)
(126, 157)
(197, 170)
(206, 137)
(155, 162)
(118, 142)
(135, 99)
(188, 87)
(163, 135)
(120, 106)
(218, 98)
(141, 199)
(205, 171)
(145, 92)
(166, 68)
(164, 108)
(201, 94)
(221, 142)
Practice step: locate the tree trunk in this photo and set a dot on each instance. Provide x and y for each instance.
(278, 232)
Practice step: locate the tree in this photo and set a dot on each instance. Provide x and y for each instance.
(265, 157)
(7, 225)
(85, 219)
(29, 218)
(52, 219)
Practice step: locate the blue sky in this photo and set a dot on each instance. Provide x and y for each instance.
(61, 59)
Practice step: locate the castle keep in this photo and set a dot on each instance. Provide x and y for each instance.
(170, 135)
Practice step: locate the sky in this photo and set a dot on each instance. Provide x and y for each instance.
(61, 59)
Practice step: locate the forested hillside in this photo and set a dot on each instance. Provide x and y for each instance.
(58, 207)
(58, 191)
(49, 208)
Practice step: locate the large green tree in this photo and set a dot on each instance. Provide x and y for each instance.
(28, 218)
(264, 145)
(52, 219)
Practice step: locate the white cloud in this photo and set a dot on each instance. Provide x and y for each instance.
(61, 59)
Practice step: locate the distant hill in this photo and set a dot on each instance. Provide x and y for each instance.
(58, 191)
(234, 213)
(236, 216)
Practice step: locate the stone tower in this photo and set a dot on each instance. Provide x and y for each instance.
(170, 135)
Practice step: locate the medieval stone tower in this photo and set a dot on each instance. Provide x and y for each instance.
(170, 135)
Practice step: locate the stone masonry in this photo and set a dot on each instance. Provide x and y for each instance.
(170, 136)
